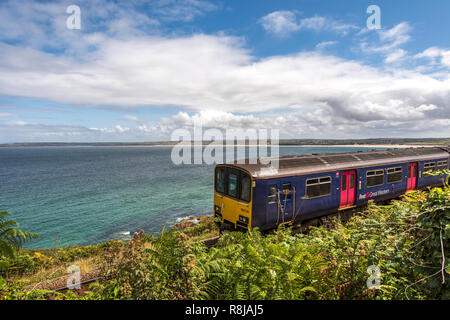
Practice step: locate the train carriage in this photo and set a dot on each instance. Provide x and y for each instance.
(305, 187)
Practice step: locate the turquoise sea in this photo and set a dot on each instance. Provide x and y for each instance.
(85, 195)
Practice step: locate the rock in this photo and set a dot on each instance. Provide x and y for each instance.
(191, 221)
(204, 219)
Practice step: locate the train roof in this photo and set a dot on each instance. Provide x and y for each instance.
(302, 164)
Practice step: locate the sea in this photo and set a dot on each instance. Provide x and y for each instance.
(83, 195)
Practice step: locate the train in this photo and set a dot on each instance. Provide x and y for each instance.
(304, 187)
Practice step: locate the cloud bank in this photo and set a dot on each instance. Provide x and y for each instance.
(217, 78)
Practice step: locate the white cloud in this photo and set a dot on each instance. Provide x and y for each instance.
(318, 23)
(131, 118)
(217, 78)
(397, 35)
(214, 73)
(42, 25)
(396, 55)
(6, 115)
(388, 42)
(184, 10)
(325, 44)
(315, 124)
(282, 23)
(436, 55)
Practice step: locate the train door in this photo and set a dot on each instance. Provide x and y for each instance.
(280, 202)
(286, 199)
(348, 182)
(273, 212)
(412, 176)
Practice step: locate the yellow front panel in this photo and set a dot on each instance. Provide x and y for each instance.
(231, 208)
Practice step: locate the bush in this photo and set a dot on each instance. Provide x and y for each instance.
(405, 240)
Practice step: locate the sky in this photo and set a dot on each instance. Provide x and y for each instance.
(139, 70)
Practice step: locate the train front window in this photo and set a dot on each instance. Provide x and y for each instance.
(232, 185)
(220, 180)
(245, 188)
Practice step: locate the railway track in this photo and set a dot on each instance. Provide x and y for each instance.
(209, 243)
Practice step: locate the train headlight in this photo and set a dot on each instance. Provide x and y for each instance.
(243, 219)
(217, 209)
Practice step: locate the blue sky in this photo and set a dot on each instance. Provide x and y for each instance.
(138, 70)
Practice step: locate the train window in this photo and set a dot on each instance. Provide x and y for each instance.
(220, 180)
(232, 185)
(427, 167)
(352, 181)
(344, 182)
(442, 165)
(245, 188)
(287, 191)
(318, 187)
(394, 174)
(374, 178)
(272, 198)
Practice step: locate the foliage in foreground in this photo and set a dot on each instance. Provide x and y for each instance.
(407, 240)
(11, 238)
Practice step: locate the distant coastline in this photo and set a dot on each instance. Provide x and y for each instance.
(375, 143)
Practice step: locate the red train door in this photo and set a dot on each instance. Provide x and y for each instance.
(348, 182)
(412, 176)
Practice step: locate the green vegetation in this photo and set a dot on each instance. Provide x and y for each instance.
(408, 240)
(11, 238)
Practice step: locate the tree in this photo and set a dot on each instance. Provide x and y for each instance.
(11, 238)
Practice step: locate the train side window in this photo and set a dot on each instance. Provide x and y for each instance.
(220, 180)
(272, 197)
(232, 185)
(318, 187)
(344, 183)
(245, 188)
(352, 181)
(428, 167)
(325, 186)
(394, 174)
(374, 178)
(441, 165)
(287, 191)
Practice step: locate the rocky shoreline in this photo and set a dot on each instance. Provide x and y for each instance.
(191, 222)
